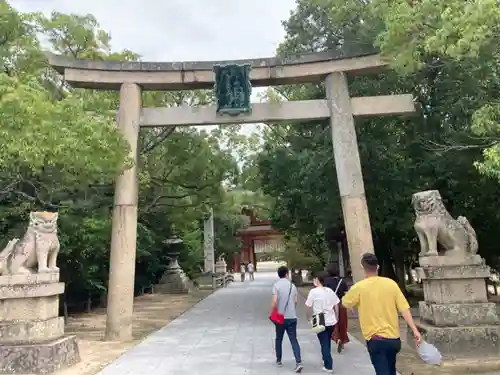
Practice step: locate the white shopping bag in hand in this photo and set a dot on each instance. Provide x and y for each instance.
(429, 354)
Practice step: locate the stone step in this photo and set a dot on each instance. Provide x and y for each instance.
(42, 358)
(31, 331)
(458, 314)
(465, 341)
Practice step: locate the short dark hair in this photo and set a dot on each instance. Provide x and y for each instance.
(282, 271)
(369, 262)
(333, 270)
(321, 276)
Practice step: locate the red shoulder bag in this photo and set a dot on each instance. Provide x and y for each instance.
(275, 316)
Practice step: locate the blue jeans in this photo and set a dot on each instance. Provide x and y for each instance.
(290, 327)
(383, 354)
(325, 340)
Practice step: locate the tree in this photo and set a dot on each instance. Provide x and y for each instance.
(431, 33)
(62, 152)
(399, 156)
(41, 132)
(28, 120)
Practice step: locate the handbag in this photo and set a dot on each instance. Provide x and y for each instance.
(318, 324)
(276, 317)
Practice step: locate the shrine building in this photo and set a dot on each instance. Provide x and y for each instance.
(259, 241)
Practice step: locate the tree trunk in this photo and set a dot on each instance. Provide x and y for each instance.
(103, 299)
(89, 303)
(66, 315)
(387, 268)
(399, 266)
(384, 257)
(297, 277)
(409, 274)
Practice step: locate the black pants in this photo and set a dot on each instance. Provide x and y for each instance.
(383, 354)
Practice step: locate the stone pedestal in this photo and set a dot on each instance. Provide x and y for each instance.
(174, 280)
(221, 266)
(32, 337)
(205, 281)
(456, 316)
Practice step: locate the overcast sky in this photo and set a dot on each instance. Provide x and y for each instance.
(182, 29)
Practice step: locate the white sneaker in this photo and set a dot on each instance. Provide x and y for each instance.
(326, 370)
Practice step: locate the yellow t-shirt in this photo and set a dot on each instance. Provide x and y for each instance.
(379, 300)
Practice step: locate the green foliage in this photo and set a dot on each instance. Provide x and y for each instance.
(295, 255)
(84, 267)
(19, 48)
(75, 35)
(456, 29)
(62, 151)
(419, 34)
(457, 88)
(38, 132)
(485, 123)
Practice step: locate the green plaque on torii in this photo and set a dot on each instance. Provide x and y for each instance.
(233, 89)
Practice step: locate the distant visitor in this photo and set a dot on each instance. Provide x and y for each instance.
(243, 270)
(250, 269)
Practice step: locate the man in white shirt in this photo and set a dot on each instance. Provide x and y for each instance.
(250, 269)
(323, 304)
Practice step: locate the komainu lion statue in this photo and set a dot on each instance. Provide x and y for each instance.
(38, 247)
(434, 225)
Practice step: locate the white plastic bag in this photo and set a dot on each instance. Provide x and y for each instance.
(429, 354)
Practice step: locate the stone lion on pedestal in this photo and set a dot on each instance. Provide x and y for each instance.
(36, 251)
(434, 225)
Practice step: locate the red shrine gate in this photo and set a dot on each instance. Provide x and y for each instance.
(257, 238)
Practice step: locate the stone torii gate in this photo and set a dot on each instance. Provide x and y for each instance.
(130, 78)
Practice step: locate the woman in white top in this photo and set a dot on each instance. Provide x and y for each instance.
(323, 301)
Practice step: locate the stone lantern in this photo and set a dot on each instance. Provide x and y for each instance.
(221, 266)
(174, 280)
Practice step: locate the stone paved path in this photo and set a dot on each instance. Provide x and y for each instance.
(229, 333)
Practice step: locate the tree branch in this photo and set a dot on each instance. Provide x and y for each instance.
(164, 204)
(437, 147)
(156, 200)
(161, 182)
(164, 134)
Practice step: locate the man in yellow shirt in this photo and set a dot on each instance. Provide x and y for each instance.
(379, 300)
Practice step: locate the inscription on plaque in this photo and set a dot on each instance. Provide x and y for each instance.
(233, 89)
